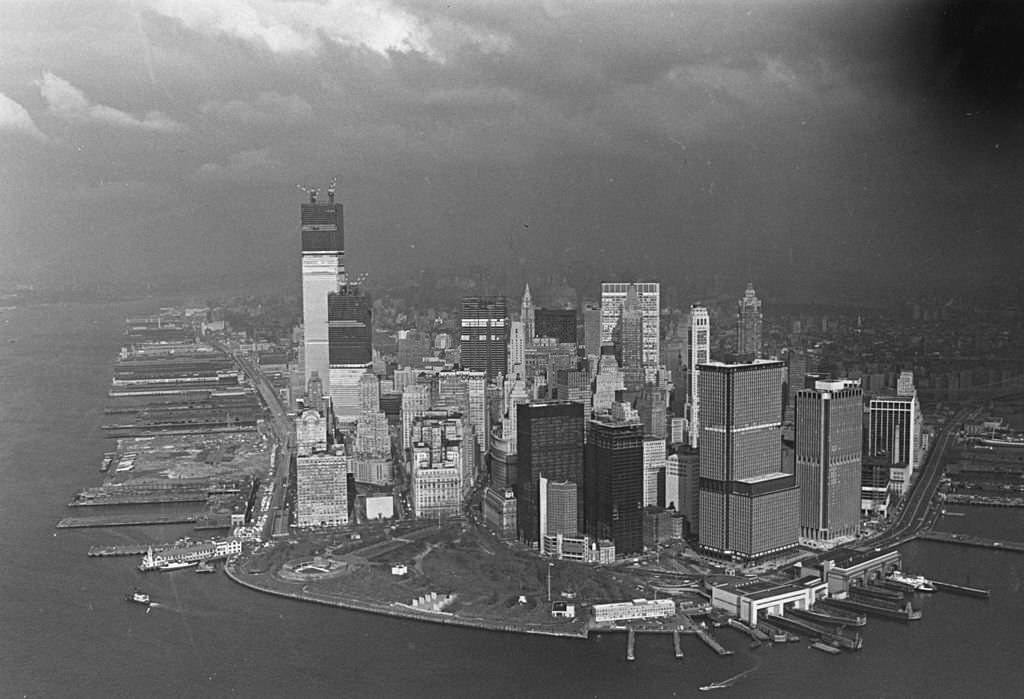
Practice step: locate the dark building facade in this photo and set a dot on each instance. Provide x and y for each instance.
(559, 323)
(614, 484)
(484, 334)
(349, 326)
(749, 508)
(550, 443)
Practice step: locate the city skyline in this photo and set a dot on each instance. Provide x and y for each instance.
(661, 140)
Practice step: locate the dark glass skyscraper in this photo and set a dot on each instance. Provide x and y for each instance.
(550, 444)
(349, 326)
(559, 323)
(614, 484)
(484, 333)
(749, 508)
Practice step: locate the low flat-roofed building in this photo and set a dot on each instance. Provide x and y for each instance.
(750, 599)
(634, 609)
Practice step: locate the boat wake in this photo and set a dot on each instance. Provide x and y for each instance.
(732, 680)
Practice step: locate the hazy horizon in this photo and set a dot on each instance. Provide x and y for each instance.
(809, 147)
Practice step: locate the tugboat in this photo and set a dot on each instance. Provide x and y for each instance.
(917, 583)
(138, 597)
(206, 567)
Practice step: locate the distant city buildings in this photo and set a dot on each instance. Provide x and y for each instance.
(484, 334)
(559, 323)
(613, 296)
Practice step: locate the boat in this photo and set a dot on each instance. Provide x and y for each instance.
(138, 597)
(713, 685)
(206, 567)
(918, 583)
(832, 650)
(1007, 441)
(177, 565)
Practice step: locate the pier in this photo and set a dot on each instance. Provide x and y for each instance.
(130, 550)
(123, 521)
(677, 645)
(960, 589)
(631, 645)
(905, 613)
(755, 634)
(130, 499)
(852, 643)
(969, 540)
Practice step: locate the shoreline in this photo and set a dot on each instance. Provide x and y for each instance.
(401, 611)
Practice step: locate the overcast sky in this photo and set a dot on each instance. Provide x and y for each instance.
(763, 140)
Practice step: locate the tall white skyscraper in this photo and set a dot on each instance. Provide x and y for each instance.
(613, 296)
(517, 349)
(700, 353)
(527, 316)
(323, 270)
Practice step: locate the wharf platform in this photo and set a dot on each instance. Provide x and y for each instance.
(905, 613)
(129, 550)
(677, 645)
(969, 540)
(688, 626)
(150, 499)
(876, 592)
(123, 521)
(984, 500)
(631, 645)
(852, 643)
(754, 633)
(961, 589)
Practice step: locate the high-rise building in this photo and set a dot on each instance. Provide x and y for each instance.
(613, 295)
(627, 339)
(517, 350)
(323, 270)
(574, 385)
(614, 483)
(748, 324)
(682, 485)
(550, 444)
(749, 508)
(499, 511)
(607, 381)
(416, 400)
(321, 490)
(894, 433)
(828, 434)
(592, 329)
(484, 331)
(699, 343)
(527, 316)
(413, 347)
(558, 509)
(350, 333)
(369, 392)
(310, 433)
(654, 464)
(315, 391)
(559, 323)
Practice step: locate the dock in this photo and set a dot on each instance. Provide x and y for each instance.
(150, 499)
(755, 634)
(711, 642)
(631, 645)
(905, 613)
(677, 645)
(131, 550)
(785, 622)
(968, 540)
(960, 589)
(831, 650)
(834, 616)
(876, 592)
(123, 521)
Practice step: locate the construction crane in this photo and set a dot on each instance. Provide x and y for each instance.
(313, 193)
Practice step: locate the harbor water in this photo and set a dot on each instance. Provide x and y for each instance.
(67, 631)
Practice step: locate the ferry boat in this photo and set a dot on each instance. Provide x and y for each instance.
(177, 565)
(206, 567)
(918, 583)
(138, 597)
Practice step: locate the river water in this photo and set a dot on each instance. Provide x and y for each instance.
(65, 630)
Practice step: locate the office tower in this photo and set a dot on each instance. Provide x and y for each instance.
(310, 433)
(321, 490)
(403, 378)
(369, 392)
(323, 270)
(515, 394)
(416, 400)
(550, 444)
(467, 390)
(499, 511)
(503, 464)
(440, 454)
(894, 434)
(607, 382)
(314, 391)
(613, 295)
(682, 485)
(748, 325)
(559, 323)
(527, 316)
(905, 384)
(699, 341)
(654, 464)
(350, 334)
(516, 350)
(484, 330)
(574, 385)
(614, 483)
(652, 410)
(748, 507)
(592, 329)
(828, 434)
(627, 339)
(558, 512)
(372, 437)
